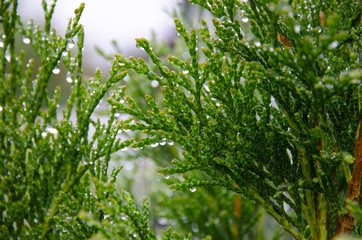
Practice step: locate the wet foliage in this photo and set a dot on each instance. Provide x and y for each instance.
(272, 115)
(263, 109)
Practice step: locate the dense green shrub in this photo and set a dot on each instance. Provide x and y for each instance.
(55, 164)
(267, 107)
(273, 116)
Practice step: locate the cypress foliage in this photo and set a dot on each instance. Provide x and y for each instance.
(273, 116)
(268, 107)
(53, 169)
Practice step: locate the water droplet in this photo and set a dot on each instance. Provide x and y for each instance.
(71, 44)
(297, 28)
(7, 56)
(167, 177)
(334, 44)
(193, 189)
(154, 144)
(163, 142)
(69, 78)
(56, 70)
(122, 101)
(1, 108)
(258, 44)
(26, 40)
(185, 71)
(154, 83)
(170, 143)
(245, 19)
(124, 149)
(117, 115)
(1, 44)
(52, 130)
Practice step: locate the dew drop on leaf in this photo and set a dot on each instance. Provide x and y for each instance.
(26, 40)
(163, 142)
(193, 189)
(71, 44)
(297, 28)
(56, 70)
(7, 56)
(334, 44)
(154, 83)
(154, 144)
(69, 78)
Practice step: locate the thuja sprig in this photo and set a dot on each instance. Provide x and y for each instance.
(203, 136)
(117, 214)
(263, 115)
(49, 158)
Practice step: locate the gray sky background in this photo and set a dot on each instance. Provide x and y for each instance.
(107, 20)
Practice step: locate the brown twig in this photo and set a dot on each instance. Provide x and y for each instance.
(238, 205)
(346, 224)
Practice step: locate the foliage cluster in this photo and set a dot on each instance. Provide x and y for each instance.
(266, 107)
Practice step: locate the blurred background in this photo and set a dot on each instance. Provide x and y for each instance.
(105, 21)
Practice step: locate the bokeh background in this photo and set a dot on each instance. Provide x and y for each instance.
(111, 20)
